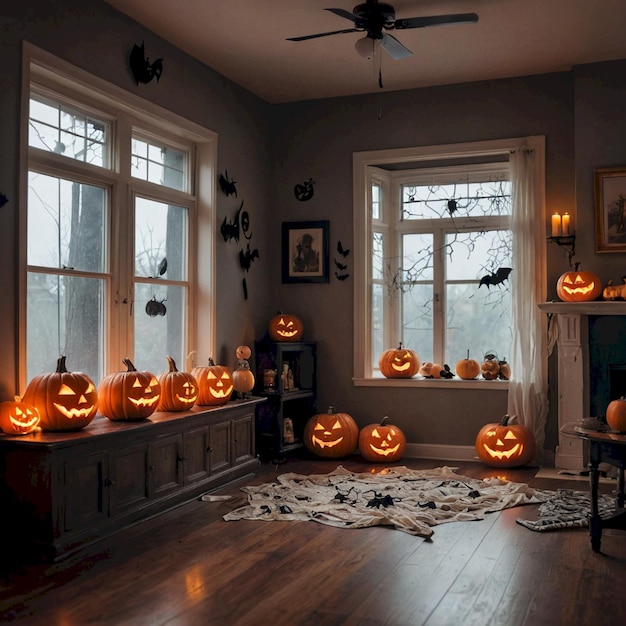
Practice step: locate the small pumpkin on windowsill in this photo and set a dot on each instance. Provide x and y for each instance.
(467, 368)
(399, 363)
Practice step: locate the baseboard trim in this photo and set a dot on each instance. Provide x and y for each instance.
(441, 452)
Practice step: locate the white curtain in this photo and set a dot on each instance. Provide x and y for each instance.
(528, 397)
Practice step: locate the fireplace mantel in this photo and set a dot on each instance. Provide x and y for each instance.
(573, 370)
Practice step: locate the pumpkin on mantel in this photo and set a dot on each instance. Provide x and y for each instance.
(179, 390)
(215, 384)
(578, 286)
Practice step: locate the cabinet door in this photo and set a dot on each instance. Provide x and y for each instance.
(128, 478)
(166, 465)
(220, 447)
(83, 500)
(196, 451)
(243, 439)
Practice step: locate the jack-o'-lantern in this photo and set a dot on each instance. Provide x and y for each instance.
(17, 417)
(129, 396)
(616, 415)
(283, 327)
(215, 384)
(507, 444)
(382, 443)
(399, 363)
(179, 390)
(467, 368)
(65, 400)
(331, 435)
(490, 367)
(578, 286)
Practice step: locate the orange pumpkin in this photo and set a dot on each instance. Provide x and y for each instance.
(243, 378)
(399, 363)
(129, 396)
(616, 415)
(382, 443)
(243, 352)
(331, 435)
(179, 390)
(490, 367)
(65, 400)
(467, 368)
(578, 286)
(215, 383)
(283, 327)
(507, 444)
(17, 417)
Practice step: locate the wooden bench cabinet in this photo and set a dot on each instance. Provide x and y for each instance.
(62, 491)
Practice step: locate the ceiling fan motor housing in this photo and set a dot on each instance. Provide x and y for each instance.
(373, 17)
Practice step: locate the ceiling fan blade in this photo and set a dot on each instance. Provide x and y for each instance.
(334, 32)
(393, 47)
(343, 13)
(436, 20)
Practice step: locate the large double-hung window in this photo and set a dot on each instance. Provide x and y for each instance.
(112, 217)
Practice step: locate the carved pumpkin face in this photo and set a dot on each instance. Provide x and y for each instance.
(129, 395)
(65, 400)
(505, 444)
(399, 363)
(179, 390)
(17, 417)
(578, 286)
(215, 383)
(284, 327)
(382, 443)
(331, 435)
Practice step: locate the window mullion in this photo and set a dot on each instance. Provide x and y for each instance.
(439, 297)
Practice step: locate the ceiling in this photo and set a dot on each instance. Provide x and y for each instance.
(245, 40)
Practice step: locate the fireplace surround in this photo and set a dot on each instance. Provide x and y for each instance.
(591, 346)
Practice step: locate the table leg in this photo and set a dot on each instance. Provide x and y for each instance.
(595, 522)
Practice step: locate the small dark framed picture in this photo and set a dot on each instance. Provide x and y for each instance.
(305, 252)
(610, 201)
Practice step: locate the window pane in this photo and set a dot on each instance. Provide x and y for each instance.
(377, 256)
(417, 257)
(57, 128)
(159, 164)
(65, 315)
(376, 200)
(159, 326)
(478, 320)
(160, 240)
(66, 224)
(417, 324)
(458, 200)
(378, 334)
(469, 256)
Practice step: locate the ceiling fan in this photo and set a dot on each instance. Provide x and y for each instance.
(373, 17)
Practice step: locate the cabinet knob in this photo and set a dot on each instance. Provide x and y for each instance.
(180, 459)
(109, 483)
(209, 449)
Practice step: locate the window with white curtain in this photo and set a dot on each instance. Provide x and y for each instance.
(113, 212)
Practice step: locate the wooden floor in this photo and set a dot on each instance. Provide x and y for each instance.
(189, 567)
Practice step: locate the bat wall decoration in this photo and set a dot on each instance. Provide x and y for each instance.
(495, 278)
(228, 185)
(3, 199)
(144, 71)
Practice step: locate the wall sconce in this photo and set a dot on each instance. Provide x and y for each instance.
(562, 233)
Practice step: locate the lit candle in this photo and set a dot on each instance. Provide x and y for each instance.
(556, 225)
(565, 224)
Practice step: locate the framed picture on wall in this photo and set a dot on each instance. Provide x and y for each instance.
(610, 200)
(305, 252)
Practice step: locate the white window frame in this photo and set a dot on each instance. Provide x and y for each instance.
(368, 166)
(45, 71)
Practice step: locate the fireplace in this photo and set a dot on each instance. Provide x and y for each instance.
(591, 348)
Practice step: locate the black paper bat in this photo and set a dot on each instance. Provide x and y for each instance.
(495, 279)
(228, 185)
(246, 258)
(140, 65)
(162, 266)
(342, 276)
(230, 230)
(340, 266)
(342, 252)
(452, 207)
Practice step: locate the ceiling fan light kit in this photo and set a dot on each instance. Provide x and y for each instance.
(373, 17)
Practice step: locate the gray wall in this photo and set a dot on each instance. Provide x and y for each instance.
(579, 112)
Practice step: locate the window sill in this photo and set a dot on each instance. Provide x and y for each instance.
(432, 383)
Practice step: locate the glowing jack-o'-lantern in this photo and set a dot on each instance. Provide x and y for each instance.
(65, 400)
(283, 327)
(179, 390)
(382, 443)
(331, 435)
(507, 444)
(578, 286)
(17, 417)
(129, 396)
(215, 384)
(399, 363)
